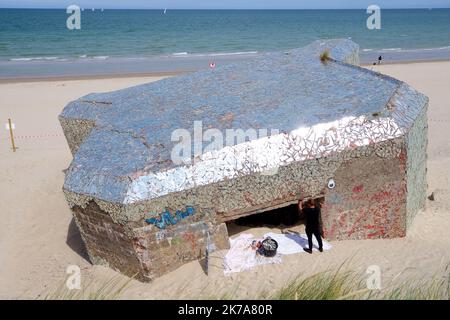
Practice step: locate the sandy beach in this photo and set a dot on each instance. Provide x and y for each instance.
(38, 239)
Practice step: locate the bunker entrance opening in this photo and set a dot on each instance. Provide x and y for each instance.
(286, 218)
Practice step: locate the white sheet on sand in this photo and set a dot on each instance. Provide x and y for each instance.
(242, 257)
(292, 242)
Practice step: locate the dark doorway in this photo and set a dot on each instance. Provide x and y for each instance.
(281, 218)
(287, 216)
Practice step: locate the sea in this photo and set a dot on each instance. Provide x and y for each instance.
(38, 43)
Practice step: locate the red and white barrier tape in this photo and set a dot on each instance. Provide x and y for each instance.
(434, 120)
(40, 136)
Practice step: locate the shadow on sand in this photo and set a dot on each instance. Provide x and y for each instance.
(75, 242)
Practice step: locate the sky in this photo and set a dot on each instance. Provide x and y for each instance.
(226, 4)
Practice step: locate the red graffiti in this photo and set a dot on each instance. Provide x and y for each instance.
(190, 237)
(248, 198)
(358, 188)
(373, 215)
(342, 220)
(402, 158)
(356, 223)
(380, 196)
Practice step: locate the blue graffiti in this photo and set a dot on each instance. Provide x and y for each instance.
(167, 218)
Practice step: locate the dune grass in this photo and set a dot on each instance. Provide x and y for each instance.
(111, 289)
(325, 56)
(436, 289)
(347, 285)
(338, 284)
(321, 286)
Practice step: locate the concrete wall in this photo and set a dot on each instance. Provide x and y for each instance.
(148, 252)
(416, 165)
(369, 200)
(75, 131)
(106, 241)
(161, 251)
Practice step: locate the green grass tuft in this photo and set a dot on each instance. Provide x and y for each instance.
(338, 284)
(349, 285)
(322, 286)
(111, 289)
(325, 56)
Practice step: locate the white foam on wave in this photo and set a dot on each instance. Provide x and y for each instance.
(21, 59)
(423, 49)
(231, 53)
(34, 58)
(406, 50)
(392, 49)
(215, 54)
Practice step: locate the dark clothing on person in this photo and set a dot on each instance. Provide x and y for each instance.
(316, 233)
(312, 218)
(313, 225)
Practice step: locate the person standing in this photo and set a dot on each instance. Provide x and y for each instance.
(312, 214)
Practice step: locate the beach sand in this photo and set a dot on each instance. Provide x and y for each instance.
(38, 239)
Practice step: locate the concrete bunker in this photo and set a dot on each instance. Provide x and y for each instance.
(354, 137)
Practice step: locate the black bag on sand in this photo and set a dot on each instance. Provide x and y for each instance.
(269, 246)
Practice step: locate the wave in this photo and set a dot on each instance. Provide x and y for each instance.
(426, 49)
(405, 50)
(214, 54)
(232, 53)
(105, 57)
(392, 49)
(21, 59)
(100, 57)
(83, 57)
(179, 55)
(34, 58)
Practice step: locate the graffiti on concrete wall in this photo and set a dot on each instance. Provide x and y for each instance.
(167, 219)
(190, 238)
(366, 215)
